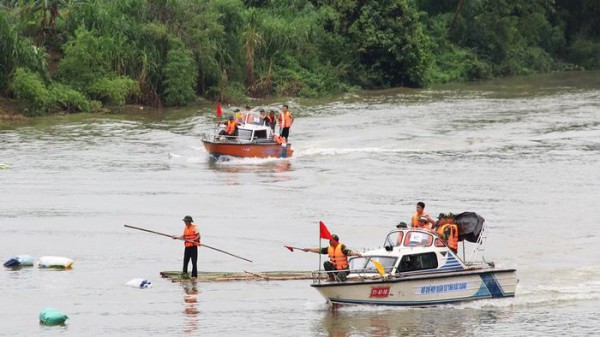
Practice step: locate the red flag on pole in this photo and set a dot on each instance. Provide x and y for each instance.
(219, 110)
(324, 232)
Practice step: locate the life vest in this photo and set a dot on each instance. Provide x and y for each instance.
(190, 233)
(280, 140)
(270, 119)
(415, 220)
(230, 127)
(452, 239)
(286, 119)
(240, 118)
(337, 257)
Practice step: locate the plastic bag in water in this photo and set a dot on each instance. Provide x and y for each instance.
(140, 283)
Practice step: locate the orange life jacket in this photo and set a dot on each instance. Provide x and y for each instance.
(337, 257)
(230, 127)
(452, 239)
(280, 140)
(270, 119)
(190, 233)
(286, 119)
(415, 220)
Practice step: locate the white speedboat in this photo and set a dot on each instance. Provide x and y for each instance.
(419, 269)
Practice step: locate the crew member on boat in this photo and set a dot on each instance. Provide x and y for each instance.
(337, 266)
(271, 120)
(285, 122)
(448, 231)
(231, 128)
(421, 213)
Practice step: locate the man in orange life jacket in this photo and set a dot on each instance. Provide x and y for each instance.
(337, 266)
(231, 127)
(285, 122)
(448, 231)
(421, 213)
(191, 235)
(270, 120)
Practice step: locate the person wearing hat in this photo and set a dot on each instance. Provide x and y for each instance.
(415, 221)
(231, 128)
(191, 235)
(422, 223)
(262, 117)
(337, 266)
(401, 225)
(440, 222)
(448, 232)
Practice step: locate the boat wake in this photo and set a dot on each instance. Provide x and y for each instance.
(344, 151)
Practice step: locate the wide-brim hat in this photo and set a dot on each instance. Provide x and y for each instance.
(188, 218)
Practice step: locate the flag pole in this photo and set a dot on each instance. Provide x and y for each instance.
(319, 252)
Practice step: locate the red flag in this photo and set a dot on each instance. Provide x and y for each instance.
(324, 232)
(219, 110)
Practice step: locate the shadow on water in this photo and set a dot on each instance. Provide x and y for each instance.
(190, 299)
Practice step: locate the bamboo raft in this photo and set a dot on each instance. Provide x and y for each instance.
(206, 276)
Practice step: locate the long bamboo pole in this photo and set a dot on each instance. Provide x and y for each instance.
(175, 237)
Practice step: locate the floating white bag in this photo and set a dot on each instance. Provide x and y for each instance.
(140, 283)
(19, 261)
(57, 262)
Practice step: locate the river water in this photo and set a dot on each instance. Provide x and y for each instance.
(522, 152)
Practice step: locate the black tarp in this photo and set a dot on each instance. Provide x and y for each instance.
(469, 226)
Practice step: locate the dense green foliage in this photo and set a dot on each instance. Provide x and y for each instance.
(74, 55)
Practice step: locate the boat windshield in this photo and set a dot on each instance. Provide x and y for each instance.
(394, 239)
(412, 238)
(418, 239)
(244, 134)
(253, 118)
(365, 264)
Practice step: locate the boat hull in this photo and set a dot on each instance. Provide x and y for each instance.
(422, 290)
(257, 150)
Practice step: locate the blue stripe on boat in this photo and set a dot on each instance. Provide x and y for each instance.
(451, 264)
(491, 284)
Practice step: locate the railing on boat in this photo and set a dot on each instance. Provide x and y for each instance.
(320, 276)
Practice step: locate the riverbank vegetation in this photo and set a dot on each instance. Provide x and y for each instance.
(90, 55)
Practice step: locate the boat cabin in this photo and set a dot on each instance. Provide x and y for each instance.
(250, 130)
(407, 251)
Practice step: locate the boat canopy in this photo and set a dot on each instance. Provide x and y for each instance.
(470, 225)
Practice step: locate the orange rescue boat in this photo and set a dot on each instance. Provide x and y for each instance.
(254, 139)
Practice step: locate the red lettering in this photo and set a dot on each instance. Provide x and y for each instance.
(380, 292)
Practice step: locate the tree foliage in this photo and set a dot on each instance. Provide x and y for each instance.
(167, 52)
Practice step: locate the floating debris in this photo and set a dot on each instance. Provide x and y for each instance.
(19, 261)
(55, 262)
(52, 316)
(140, 283)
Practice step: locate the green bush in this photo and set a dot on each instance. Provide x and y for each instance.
(585, 53)
(85, 60)
(68, 99)
(29, 87)
(113, 91)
